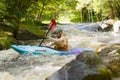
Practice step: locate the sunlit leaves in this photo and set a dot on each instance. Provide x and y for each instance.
(83, 3)
(2, 7)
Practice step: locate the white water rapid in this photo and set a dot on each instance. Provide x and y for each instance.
(39, 67)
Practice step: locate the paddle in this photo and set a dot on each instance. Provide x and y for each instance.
(51, 27)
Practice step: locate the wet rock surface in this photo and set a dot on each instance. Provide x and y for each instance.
(86, 66)
(111, 57)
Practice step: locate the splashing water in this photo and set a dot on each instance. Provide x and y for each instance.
(29, 67)
(39, 67)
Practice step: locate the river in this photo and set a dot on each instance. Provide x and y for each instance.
(31, 67)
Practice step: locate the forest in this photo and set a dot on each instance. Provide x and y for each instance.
(31, 15)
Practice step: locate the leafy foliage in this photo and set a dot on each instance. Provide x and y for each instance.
(35, 12)
(5, 39)
(2, 8)
(33, 29)
(102, 9)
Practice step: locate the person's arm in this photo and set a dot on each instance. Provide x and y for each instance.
(54, 39)
(52, 44)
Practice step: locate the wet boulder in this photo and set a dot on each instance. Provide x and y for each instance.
(86, 66)
(111, 57)
(106, 25)
(103, 27)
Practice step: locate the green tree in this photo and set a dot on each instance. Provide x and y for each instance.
(16, 9)
(2, 8)
(2, 11)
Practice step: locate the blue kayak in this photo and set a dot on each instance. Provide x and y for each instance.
(38, 50)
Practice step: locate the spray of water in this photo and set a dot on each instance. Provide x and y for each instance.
(39, 67)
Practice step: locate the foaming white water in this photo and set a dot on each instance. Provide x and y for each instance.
(29, 67)
(116, 26)
(39, 67)
(85, 38)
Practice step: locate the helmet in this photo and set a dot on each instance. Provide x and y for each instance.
(57, 31)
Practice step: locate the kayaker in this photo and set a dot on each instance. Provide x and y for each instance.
(60, 42)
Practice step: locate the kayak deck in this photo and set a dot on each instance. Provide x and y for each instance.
(37, 50)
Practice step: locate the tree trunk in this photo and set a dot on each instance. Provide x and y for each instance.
(117, 10)
(40, 14)
(16, 25)
(112, 9)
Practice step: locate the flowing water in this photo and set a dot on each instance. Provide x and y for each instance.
(31, 67)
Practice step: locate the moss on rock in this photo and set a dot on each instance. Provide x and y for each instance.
(5, 40)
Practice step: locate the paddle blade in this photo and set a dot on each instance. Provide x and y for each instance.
(52, 24)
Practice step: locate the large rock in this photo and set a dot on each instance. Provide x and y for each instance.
(106, 25)
(111, 57)
(86, 66)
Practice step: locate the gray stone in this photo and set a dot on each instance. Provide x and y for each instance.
(111, 58)
(86, 66)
